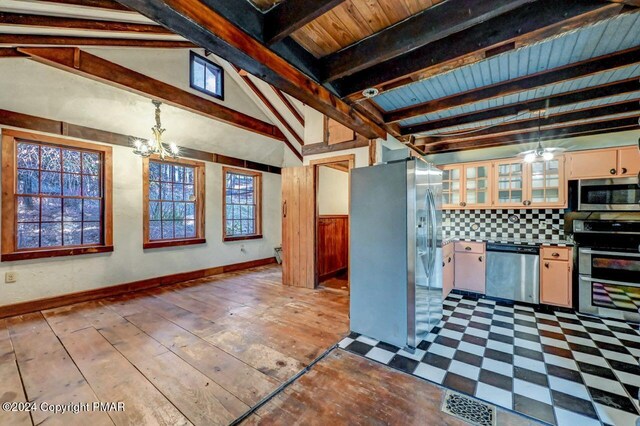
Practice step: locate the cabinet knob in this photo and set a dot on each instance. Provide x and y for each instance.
(467, 248)
(546, 265)
(613, 171)
(463, 204)
(526, 202)
(555, 254)
(624, 170)
(449, 261)
(480, 259)
(443, 264)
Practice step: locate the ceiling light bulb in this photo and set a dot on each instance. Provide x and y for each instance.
(548, 155)
(174, 148)
(530, 157)
(137, 144)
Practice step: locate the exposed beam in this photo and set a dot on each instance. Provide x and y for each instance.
(291, 107)
(43, 21)
(10, 52)
(48, 40)
(434, 23)
(82, 63)
(632, 3)
(531, 123)
(598, 127)
(275, 112)
(62, 128)
(98, 4)
(543, 78)
(321, 148)
(288, 16)
(561, 99)
(519, 27)
(212, 31)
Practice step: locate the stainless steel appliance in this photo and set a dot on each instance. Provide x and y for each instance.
(513, 272)
(622, 194)
(609, 266)
(395, 261)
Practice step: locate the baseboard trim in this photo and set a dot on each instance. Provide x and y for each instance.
(332, 274)
(118, 289)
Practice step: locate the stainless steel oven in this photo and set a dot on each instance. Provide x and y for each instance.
(621, 194)
(609, 268)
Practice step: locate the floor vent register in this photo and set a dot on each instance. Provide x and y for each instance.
(469, 409)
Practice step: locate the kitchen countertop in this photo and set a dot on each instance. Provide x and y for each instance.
(559, 243)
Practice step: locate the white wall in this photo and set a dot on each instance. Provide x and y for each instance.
(32, 88)
(333, 191)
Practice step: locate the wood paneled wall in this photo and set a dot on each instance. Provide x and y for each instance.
(333, 244)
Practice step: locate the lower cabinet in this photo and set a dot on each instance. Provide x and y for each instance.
(447, 269)
(555, 276)
(470, 266)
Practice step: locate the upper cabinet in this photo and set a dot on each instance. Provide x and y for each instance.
(604, 163)
(466, 186)
(539, 184)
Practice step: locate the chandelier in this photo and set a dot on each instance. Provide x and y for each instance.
(147, 147)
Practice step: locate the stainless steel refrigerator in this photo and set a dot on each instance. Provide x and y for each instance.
(396, 255)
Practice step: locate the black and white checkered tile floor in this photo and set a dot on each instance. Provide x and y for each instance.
(557, 367)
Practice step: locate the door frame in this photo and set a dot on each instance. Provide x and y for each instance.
(351, 161)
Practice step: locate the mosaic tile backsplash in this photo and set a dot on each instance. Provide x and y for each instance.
(505, 225)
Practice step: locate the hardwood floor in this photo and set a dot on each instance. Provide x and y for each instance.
(204, 352)
(200, 352)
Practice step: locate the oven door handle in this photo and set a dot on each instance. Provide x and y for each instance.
(609, 253)
(594, 280)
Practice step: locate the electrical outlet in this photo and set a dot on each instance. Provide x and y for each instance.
(10, 277)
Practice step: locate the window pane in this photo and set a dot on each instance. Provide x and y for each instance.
(91, 186)
(28, 235)
(189, 175)
(190, 229)
(72, 234)
(28, 209)
(51, 158)
(91, 210)
(167, 191)
(71, 161)
(154, 210)
(167, 229)
(190, 211)
(90, 163)
(211, 79)
(50, 183)
(155, 231)
(197, 73)
(179, 211)
(28, 156)
(71, 184)
(188, 193)
(72, 210)
(167, 173)
(180, 229)
(178, 174)
(178, 191)
(91, 233)
(154, 191)
(154, 171)
(51, 234)
(28, 182)
(167, 210)
(51, 210)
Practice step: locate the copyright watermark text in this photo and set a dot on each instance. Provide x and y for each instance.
(71, 407)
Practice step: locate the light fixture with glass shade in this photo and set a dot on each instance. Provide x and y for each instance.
(540, 153)
(148, 147)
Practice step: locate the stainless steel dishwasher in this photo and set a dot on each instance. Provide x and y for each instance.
(513, 272)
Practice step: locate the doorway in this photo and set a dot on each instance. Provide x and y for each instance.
(332, 221)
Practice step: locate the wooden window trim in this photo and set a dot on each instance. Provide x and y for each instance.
(9, 252)
(258, 197)
(200, 204)
(192, 84)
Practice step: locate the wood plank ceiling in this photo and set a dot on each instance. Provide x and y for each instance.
(458, 74)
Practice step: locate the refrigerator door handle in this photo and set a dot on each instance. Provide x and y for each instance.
(432, 232)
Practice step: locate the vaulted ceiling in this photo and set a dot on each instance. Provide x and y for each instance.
(454, 74)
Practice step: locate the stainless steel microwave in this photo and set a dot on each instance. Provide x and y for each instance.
(621, 194)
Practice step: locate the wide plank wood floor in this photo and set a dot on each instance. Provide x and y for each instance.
(201, 352)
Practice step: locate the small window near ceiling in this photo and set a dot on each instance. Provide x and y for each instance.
(206, 76)
(242, 204)
(56, 197)
(173, 202)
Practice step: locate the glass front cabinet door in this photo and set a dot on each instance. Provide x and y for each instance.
(547, 183)
(477, 185)
(509, 183)
(451, 186)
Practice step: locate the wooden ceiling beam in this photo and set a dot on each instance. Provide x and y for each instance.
(531, 123)
(591, 128)
(10, 52)
(288, 16)
(434, 23)
(97, 4)
(84, 64)
(552, 76)
(590, 93)
(522, 26)
(256, 90)
(290, 106)
(203, 25)
(43, 21)
(48, 40)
